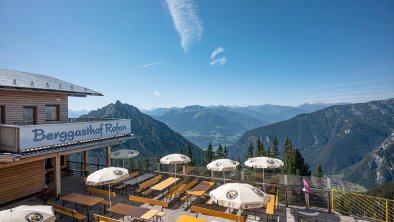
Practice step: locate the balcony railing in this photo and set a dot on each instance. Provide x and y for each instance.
(22, 138)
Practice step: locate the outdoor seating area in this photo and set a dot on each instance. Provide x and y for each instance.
(80, 202)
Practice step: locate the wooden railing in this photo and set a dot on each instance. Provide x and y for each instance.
(9, 138)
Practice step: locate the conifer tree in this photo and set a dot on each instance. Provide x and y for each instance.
(208, 157)
(250, 151)
(219, 152)
(225, 153)
(275, 149)
(239, 167)
(300, 167)
(189, 153)
(147, 164)
(260, 151)
(319, 170)
(288, 158)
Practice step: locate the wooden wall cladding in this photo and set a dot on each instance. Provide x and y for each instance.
(14, 101)
(21, 180)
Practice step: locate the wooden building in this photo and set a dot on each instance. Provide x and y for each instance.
(35, 130)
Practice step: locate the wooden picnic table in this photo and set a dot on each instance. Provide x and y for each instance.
(200, 189)
(133, 182)
(186, 218)
(86, 200)
(165, 184)
(133, 211)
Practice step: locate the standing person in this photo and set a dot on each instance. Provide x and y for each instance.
(306, 190)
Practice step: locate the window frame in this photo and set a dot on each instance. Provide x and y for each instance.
(57, 113)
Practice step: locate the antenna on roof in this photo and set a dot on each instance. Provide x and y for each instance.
(14, 82)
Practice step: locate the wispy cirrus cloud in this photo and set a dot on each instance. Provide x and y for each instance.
(220, 61)
(147, 65)
(186, 21)
(216, 52)
(156, 93)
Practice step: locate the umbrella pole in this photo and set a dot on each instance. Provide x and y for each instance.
(263, 180)
(175, 171)
(109, 194)
(224, 177)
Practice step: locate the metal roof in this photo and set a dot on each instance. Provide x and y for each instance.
(30, 81)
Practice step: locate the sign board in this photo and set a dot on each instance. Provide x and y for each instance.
(34, 136)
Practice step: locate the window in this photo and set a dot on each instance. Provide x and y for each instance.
(2, 115)
(52, 113)
(29, 115)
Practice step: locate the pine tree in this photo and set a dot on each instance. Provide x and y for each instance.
(225, 153)
(219, 152)
(147, 164)
(260, 150)
(288, 158)
(208, 157)
(250, 151)
(275, 149)
(300, 167)
(189, 153)
(319, 170)
(239, 167)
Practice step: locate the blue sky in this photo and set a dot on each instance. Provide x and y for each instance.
(157, 53)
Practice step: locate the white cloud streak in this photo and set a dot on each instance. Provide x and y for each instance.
(216, 52)
(186, 21)
(219, 62)
(157, 93)
(150, 64)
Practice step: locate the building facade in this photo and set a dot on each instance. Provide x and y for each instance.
(37, 137)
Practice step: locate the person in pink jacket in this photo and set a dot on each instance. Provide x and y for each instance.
(306, 190)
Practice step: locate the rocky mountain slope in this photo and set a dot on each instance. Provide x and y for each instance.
(339, 136)
(153, 137)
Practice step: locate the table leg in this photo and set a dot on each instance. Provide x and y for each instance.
(87, 207)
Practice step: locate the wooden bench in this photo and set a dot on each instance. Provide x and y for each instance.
(216, 213)
(100, 218)
(123, 186)
(148, 183)
(187, 186)
(68, 212)
(105, 193)
(175, 188)
(162, 204)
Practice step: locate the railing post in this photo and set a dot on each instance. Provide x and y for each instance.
(242, 175)
(286, 200)
(329, 201)
(387, 210)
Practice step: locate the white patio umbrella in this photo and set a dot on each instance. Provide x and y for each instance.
(106, 176)
(123, 154)
(263, 162)
(38, 213)
(239, 195)
(223, 165)
(175, 159)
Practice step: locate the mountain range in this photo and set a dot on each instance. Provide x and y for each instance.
(354, 140)
(224, 124)
(152, 138)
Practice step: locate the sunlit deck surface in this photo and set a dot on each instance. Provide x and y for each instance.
(75, 184)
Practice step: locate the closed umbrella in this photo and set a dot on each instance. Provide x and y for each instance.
(263, 162)
(123, 154)
(223, 165)
(239, 195)
(38, 213)
(175, 159)
(106, 176)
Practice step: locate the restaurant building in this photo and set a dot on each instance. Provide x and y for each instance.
(37, 137)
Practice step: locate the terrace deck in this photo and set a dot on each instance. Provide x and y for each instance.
(75, 184)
